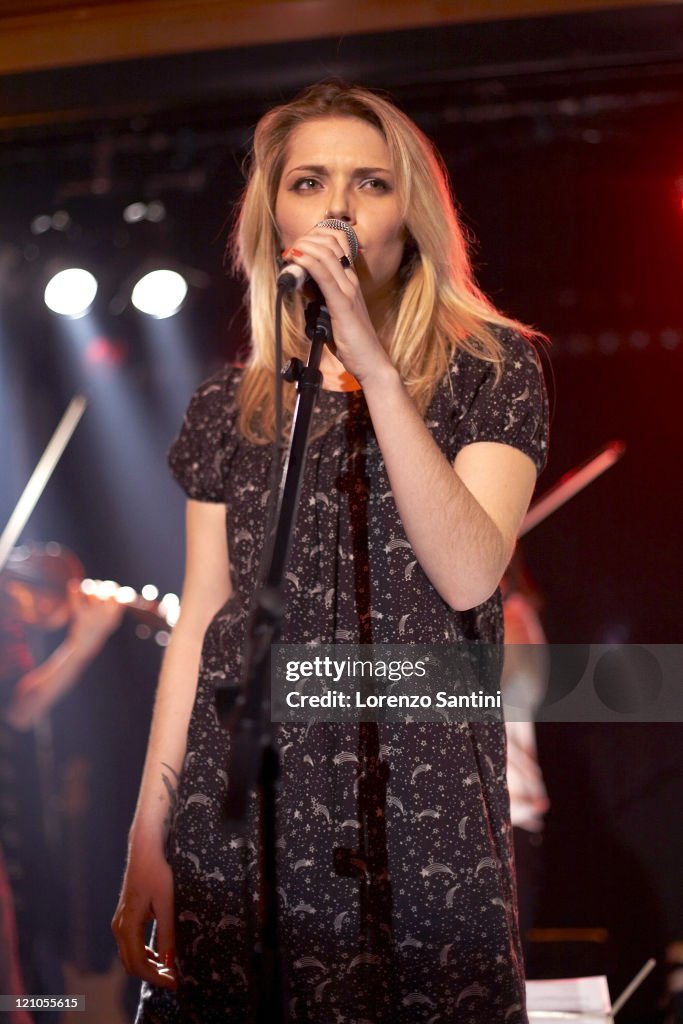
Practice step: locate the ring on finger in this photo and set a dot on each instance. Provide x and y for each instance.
(345, 261)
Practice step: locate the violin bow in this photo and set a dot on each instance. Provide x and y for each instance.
(40, 476)
(571, 483)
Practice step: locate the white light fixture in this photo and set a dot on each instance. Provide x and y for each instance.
(71, 292)
(160, 293)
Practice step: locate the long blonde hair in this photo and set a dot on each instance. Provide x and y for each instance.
(439, 307)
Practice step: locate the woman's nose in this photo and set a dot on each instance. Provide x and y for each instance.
(338, 213)
(340, 206)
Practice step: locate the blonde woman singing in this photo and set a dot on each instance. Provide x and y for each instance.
(426, 443)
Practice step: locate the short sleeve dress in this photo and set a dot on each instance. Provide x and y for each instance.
(445, 902)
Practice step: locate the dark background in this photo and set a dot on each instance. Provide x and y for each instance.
(564, 139)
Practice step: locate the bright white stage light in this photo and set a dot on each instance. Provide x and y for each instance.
(160, 293)
(134, 212)
(71, 292)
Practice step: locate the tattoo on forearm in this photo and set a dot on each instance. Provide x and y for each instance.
(171, 785)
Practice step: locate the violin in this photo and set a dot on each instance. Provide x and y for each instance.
(35, 584)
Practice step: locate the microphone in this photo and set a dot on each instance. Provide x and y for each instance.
(292, 278)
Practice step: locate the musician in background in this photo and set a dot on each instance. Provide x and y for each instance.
(39, 593)
(524, 684)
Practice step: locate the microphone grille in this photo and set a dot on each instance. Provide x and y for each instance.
(341, 225)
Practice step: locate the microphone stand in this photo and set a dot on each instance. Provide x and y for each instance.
(244, 708)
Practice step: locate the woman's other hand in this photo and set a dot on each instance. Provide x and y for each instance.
(146, 895)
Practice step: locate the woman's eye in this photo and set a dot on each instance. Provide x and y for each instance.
(376, 185)
(305, 184)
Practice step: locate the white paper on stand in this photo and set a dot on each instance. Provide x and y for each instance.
(581, 999)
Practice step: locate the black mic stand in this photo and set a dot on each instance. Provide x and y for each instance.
(244, 709)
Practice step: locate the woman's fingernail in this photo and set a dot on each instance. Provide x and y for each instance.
(168, 959)
(294, 252)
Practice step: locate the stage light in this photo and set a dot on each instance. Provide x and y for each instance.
(71, 292)
(41, 224)
(160, 293)
(135, 212)
(156, 212)
(60, 220)
(103, 351)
